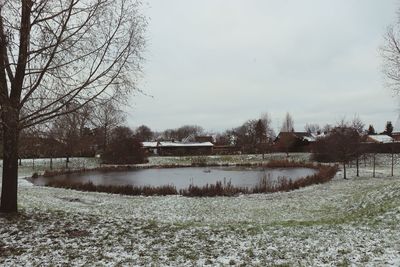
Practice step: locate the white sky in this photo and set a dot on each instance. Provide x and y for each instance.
(218, 63)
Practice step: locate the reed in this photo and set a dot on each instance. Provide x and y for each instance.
(324, 174)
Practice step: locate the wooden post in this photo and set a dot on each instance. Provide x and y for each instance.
(373, 173)
(358, 167)
(392, 162)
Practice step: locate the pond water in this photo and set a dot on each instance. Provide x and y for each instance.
(182, 177)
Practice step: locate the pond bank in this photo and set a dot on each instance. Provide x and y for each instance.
(219, 188)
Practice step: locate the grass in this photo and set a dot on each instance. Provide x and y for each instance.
(136, 231)
(343, 222)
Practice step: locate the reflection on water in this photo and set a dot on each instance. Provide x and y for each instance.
(183, 177)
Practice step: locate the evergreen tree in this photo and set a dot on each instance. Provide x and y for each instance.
(388, 128)
(371, 130)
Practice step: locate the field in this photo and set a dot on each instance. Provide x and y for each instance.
(341, 223)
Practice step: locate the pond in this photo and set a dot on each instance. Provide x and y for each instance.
(183, 177)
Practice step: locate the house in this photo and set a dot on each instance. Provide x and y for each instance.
(203, 139)
(396, 130)
(396, 136)
(381, 143)
(170, 148)
(379, 139)
(150, 147)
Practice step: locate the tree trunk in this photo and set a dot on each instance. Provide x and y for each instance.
(51, 162)
(8, 202)
(392, 162)
(358, 166)
(344, 170)
(105, 137)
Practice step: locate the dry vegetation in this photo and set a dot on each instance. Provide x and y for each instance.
(324, 174)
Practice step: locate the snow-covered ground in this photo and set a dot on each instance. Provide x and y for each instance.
(226, 159)
(30, 166)
(340, 223)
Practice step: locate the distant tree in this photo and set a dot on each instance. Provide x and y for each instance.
(266, 120)
(327, 128)
(312, 128)
(371, 130)
(388, 128)
(261, 137)
(357, 124)
(189, 132)
(52, 147)
(286, 142)
(28, 144)
(260, 132)
(66, 130)
(245, 136)
(224, 139)
(105, 117)
(341, 145)
(184, 132)
(144, 133)
(288, 124)
(123, 148)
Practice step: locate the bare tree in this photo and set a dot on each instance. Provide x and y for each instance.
(288, 124)
(261, 137)
(357, 124)
(341, 145)
(71, 130)
(312, 128)
(53, 53)
(327, 128)
(266, 120)
(286, 142)
(183, 132)
(124, 148)
(144, 133)
(390, 52)
(105, 117)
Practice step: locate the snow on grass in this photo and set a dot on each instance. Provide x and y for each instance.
(340, 223)
(30, 166)
(226, 159)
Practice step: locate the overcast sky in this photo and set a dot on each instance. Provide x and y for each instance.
(218, 63)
